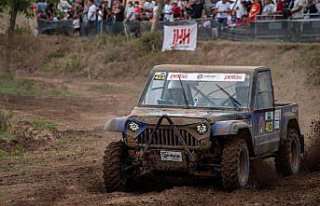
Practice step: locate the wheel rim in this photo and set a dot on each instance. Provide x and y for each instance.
(294, 156)
(243, 168)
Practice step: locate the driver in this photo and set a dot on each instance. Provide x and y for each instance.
(175, 92)
(242, 93)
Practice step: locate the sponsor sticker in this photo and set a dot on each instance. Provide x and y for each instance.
(171, 156)
(268, 116)
(277, 124)
(277, 114)
(159, 76)
(214, 77)
(261, 125)
(269, 126)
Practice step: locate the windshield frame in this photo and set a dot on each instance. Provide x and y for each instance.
(150, 78)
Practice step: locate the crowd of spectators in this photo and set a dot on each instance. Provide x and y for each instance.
(93, 14)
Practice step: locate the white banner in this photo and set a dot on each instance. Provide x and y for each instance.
(183, 37)
(207, 77)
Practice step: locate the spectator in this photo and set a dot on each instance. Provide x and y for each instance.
(239, 8)
(318, 6)
(311, 9)
(298, 8)
(222, 11)
(119, 11)
(148, 8)
(167, 11)
(50, 12)
(269, 8)
(255, 10)
(198, 9)
(92, 16)
(100, 20)
(64, 6)
(41, 6)
(176, 10)
(137, 11)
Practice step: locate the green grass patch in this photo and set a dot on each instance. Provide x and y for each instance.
(44, 124)
(3, 134)
(25, 87)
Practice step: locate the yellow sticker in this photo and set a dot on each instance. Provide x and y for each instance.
(269, 126)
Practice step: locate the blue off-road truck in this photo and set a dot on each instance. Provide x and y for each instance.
(205, 121)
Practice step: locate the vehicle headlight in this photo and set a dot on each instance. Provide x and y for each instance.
(133, 126)
(202, 128)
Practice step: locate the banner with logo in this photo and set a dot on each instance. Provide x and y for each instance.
(182, 37)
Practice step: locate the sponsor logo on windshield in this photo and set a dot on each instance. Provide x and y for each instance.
(214, 77)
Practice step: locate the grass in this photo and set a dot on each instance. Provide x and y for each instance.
(3, 134)
(44, 124)
(25, 87)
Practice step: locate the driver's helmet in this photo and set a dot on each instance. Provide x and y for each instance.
(242, 92)
(175, 91)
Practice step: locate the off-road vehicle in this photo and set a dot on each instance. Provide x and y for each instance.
(206, 121)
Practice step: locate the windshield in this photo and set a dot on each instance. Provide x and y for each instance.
(211, 90)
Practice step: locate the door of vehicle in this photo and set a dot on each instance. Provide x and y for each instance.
(265, 134)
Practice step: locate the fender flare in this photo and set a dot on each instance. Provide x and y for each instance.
(229, 127)
(116, 124)
(287, 117)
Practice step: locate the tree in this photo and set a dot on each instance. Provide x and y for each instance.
(14, 7)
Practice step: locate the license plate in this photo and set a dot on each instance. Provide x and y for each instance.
(171, 156)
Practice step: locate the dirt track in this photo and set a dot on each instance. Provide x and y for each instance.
(68, 171)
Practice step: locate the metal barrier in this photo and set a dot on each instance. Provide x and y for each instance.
(55, 27)
(288, 30)
(264, 28)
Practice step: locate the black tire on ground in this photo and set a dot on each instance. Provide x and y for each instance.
(113, 163)
(235, 165)
(288, 159)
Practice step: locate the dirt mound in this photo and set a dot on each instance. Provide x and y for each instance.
(22, 135)
(263, 174)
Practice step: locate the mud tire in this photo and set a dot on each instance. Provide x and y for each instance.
(288, 159)
(113, 162)
(235, 165)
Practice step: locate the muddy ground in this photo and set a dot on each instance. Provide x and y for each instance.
(67, 170)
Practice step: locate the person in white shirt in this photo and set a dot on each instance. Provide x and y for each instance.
(130, 12)
(240, 9)
(92, 16)
(167, 11)
(64, 6)
(222, 12)
(269, 8)
(148, 8)
(298, 8)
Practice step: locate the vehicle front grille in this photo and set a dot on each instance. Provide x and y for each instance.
(166, 137)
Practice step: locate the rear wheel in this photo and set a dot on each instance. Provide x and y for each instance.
(288, 160)
(235, 168)
(114, 165)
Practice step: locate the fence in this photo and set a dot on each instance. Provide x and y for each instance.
(264, 28)
(55, 27)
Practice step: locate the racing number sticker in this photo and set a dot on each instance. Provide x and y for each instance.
(159, 76)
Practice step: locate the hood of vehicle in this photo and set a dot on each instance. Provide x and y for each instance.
(181, 116)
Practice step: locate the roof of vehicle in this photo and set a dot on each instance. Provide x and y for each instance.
(207, 68)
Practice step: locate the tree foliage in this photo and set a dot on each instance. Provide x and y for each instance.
(22, 6)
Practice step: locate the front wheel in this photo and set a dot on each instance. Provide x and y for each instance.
(288, 159)
(114, 164)
(235, 164)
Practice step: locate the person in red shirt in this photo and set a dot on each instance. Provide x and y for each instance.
(137, 10)
(255, 10)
